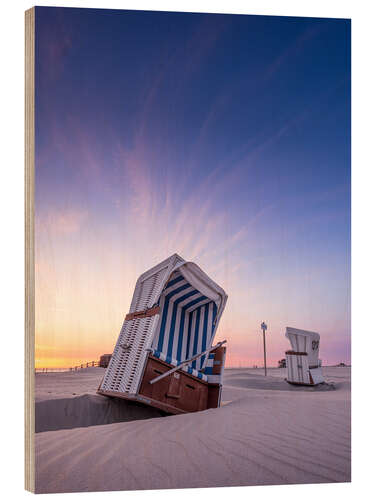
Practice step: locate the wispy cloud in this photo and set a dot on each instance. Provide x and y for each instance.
(62, 222)
(132, 170)
(292, 51)
(54, 45)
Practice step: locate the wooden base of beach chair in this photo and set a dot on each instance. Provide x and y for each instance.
(143, 400)
(177, 393)
(179, 390)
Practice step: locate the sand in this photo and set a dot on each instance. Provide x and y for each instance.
(266, 432)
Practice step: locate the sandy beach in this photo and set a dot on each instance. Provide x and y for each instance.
(266, 432)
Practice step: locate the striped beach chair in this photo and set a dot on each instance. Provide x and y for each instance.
(302, 361)
(165, 356)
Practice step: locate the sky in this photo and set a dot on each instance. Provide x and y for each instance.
(223, 138)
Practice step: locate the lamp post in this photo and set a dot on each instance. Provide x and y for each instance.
(264, 328)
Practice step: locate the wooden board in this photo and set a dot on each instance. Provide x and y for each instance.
(179, 392)
(29, 248)
(178, 389)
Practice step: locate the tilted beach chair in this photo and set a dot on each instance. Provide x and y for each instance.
(164, 356)
(304, 367)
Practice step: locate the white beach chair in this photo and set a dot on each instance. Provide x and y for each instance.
(164, 356)
(303, 363)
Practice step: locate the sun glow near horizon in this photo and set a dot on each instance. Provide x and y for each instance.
(198, 158)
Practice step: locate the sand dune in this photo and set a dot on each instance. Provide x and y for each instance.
(267, 432)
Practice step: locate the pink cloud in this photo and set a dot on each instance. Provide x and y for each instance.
(62, 221)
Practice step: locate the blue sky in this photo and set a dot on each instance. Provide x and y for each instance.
(224, 138)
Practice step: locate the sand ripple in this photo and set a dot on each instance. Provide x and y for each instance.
(262, 436)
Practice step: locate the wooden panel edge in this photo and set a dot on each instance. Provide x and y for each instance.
(29, 249)
(145, 400)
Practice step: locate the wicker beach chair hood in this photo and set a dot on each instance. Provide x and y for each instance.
(174, 315)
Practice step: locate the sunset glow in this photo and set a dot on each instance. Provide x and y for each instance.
(225, 139)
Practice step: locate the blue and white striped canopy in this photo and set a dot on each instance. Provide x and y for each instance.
(187, 322)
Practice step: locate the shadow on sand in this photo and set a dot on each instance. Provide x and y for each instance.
(250, 381)
(87, 410)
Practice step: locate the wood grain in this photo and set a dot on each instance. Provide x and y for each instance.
(29, 249)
